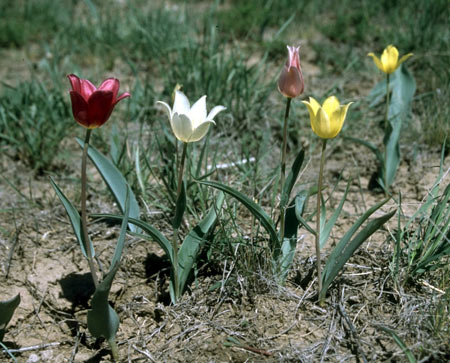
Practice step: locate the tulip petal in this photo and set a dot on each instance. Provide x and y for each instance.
(343, 112)
(215, 110)
(200, 131)
(79, 108)
(323, 125)
(168, 109)
(100, 106)
(405, 57)
(121, 97)
(181, 104)
(87, 89)
(110, 84)
(312, 115)
(331, 105)
(75, 82)
(181, 127)
(389, 59)
(377, 61)
(198, 112)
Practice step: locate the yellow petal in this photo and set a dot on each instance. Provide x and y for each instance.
(331, 105)
(389, 59)
(377, 61)
(405, 57)
(312, 106)
(322, 126)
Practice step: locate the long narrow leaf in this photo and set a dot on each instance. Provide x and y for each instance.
(152, 232)
(7, 309)
(123, 232)
(115, 182)
(370, 146)
(253, 208)
(74, 218)
(336, 262)
(325, 232)
(400, 343)
(192, 244)
(291, 178)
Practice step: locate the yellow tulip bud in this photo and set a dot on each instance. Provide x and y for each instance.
(327, 120)
(389, 61)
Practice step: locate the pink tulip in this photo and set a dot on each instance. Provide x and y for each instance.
(291, 82)
(91, 107)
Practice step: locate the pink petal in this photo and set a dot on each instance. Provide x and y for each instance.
(121, 97)
(110, 84)
(87, 89)
(100, 106)
(74, 82)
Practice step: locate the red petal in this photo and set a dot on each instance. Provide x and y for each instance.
(110, 84)
(75, 82)
(79, 109)
(100, 106)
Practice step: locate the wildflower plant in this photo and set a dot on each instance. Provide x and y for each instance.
(401, 84)
(91, 108)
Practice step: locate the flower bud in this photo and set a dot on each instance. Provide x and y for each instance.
(290, 83)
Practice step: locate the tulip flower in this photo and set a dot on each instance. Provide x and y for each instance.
(290, 83)
(389, 61)
(190, 124)
(327, 120)
(91, 107)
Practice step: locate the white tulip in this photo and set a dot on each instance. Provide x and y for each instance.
(190, 124)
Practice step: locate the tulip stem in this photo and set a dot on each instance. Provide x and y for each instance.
(87, 241)
(386, 127)
(319, 197)
(283, 167)
(176, 288)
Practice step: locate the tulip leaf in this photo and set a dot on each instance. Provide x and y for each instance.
(7, 309)
(400, 343)
(370, 146)
(74, 218)
(328, 225)
(151, 232)
(254, 209)
(346, 247)
(291, 178)
(289, 245)
(115, 182)
(192, 244)
(180, 207)
(102, 319)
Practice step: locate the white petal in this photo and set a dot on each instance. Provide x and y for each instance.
(181, 127)
(181, 104)
(168, 109)
(198, 112)
(214, 112)
(200, 131)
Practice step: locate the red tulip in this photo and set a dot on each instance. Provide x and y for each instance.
(91, 107)
(290, 83)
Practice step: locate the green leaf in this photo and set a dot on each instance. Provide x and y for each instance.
(180, 207)
(291, 178)
(192, 244)
(254, 209)
(346, 247)
(152, 232)
(7, 309)
(370, 146)
(74, 218)
(325, 232)
(102, 319)
(289, 245)
(400, 343)
(115, 182)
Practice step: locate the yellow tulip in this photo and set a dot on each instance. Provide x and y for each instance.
(389, 61)
(327, 120)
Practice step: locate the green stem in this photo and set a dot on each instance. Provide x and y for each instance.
(319, 197)
(283, 167)
(176, 288)
(114, 350)
(88, 243)
(386, 127)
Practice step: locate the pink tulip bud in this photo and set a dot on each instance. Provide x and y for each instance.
(91, 107)
(290, 83)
